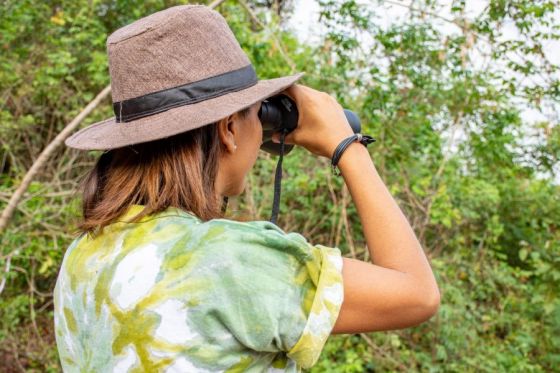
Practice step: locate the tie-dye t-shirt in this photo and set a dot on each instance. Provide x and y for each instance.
(172, 293)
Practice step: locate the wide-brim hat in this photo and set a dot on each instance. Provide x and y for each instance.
(171, 72)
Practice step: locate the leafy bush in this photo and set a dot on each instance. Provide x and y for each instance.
(451, 147)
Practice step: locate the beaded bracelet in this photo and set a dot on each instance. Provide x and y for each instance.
(363, 139)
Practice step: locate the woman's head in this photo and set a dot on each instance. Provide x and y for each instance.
(192, 171)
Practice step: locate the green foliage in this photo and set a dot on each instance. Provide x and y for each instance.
(451, 146)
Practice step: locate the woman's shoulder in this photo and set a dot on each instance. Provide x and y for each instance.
(246, 226)
(258, 228)
(175, 230)
(177, 216)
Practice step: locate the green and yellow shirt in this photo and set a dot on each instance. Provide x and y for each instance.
(172, 293)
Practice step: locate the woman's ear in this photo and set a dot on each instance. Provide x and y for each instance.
(227, 131)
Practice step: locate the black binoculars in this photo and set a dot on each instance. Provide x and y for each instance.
(279, 113)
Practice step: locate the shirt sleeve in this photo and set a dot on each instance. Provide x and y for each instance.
(280, 293)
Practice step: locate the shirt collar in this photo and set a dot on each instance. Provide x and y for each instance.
(134, 210)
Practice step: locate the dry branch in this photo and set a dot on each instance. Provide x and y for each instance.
(44, 156)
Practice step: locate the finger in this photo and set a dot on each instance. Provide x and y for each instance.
(291, 91)
(276, 138)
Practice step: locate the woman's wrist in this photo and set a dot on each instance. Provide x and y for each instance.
(354, 155)
(364, 140)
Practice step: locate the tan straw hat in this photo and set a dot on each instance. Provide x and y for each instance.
(174, 71)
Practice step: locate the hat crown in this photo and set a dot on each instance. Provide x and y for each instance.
(170, 48)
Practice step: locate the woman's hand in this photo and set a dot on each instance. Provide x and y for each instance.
(322, 124)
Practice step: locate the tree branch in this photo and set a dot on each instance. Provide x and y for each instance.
(44, 156)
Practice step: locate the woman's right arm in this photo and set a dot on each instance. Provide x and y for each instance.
(398, 289)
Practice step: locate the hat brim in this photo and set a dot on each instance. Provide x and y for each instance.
(108, 134)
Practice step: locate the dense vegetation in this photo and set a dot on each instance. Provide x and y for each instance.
(443, 94)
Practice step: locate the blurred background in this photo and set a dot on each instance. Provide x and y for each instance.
(463, 98)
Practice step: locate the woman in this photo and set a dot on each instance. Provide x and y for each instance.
(160, 280)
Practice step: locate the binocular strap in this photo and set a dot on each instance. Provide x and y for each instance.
(278, 180)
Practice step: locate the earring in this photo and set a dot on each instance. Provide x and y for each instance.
(235, 147)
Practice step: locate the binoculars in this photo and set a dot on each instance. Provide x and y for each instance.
(280, 112)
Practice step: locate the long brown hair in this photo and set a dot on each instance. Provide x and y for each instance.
(178, 171)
